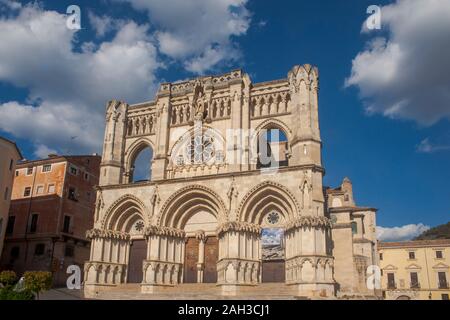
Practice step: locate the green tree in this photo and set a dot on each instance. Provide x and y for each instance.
(8, 278)
(37, 281)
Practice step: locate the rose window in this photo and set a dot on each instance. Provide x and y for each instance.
(139, 226)
(273, 218)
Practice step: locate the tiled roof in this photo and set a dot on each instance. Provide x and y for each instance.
(415, 243)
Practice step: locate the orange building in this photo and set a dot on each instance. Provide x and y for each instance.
(52, 206)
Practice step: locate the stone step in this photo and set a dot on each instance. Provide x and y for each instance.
(201, 291)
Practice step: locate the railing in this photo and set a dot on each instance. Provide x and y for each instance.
(443, 285)
(414, 285)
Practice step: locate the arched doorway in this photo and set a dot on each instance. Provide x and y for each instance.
(196, 211)
(128, 248)
(403, 297)
(270, 206)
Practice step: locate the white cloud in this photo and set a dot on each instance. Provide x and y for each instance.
(68, 90)
(43, 151)
(406, 232)
(10, 4)
(425, 146)
(197, 32)
(407, 74)
(104, 24)
(69, 87)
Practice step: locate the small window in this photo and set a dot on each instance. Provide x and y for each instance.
(391, 281)
(11, 163)
(39, 249)
(46, 168)
(72, 194)
(33, 223)
(73, 170)
(66, 226)
(40, 190)
(10, 225)
(86, 176)
(414, 284)
(442, 279)
(29, 171)
(445, 296)
(439, 254)
(69, 251)
(17, 173)
(51, 188)
(354, 228)
(15, 252)
(27, 192)
(412, 255)
(5, 196)
(381, 256)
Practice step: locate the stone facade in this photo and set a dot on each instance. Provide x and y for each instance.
(201, 213)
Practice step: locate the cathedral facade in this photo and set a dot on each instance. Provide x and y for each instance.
(235, 196)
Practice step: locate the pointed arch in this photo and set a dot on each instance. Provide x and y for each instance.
(264, 197)
(133, 152)
(188, 201)
(123, 213)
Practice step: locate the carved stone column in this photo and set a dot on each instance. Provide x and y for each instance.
(234, 263)
(201, 237)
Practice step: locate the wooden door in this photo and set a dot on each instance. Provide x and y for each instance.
(138, 253)
(211, 257)
(190, 260)
(273, 271)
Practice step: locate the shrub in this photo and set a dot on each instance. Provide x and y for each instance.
(37, 281)
(8, 278)
(8, 293)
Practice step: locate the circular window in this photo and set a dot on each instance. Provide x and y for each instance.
(273, 218)
(201, 149)
(139, 226)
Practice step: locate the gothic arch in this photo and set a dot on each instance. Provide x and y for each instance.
(274, 123)
(134, 149)
(264, 196)
(271, 123)
(187, 201)
(123, 212)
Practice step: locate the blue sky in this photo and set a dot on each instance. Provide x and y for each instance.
(382, 126)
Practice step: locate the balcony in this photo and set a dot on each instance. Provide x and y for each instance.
(443, 285)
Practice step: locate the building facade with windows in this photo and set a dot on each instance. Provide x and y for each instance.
(415, 269)
(232, 162)
(52, 206)
(9, 156)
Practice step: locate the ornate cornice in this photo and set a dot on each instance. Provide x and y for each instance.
(107, 234)
(239, 227)
(164, 231)
(308, 221)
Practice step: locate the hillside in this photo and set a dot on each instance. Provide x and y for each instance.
(439, 232)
